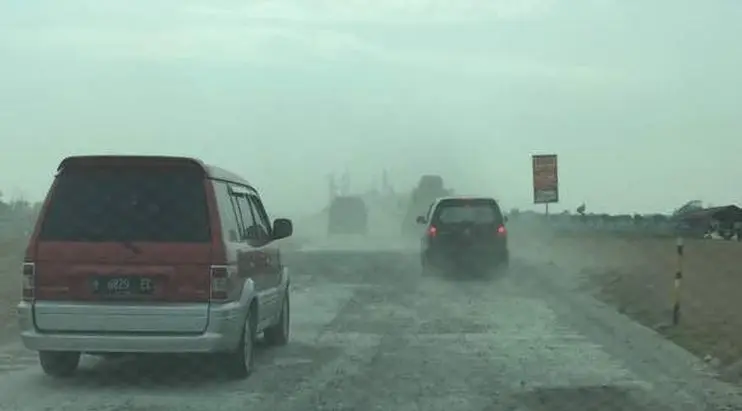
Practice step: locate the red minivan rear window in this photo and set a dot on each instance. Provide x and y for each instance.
(127, 204)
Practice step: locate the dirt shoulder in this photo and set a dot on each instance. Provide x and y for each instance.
(11, 255)
(636, 275)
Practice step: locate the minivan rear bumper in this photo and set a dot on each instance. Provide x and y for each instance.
(222, 334)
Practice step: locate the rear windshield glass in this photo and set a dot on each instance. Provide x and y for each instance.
(122, 204)
(348, 205)
(469, 211)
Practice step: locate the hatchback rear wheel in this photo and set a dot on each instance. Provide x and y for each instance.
(425, 267)
(59, 363)
(505, 263)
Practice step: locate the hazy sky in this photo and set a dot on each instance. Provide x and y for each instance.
(640, 99)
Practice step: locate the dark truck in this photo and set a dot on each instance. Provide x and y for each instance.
(347, 215)
(429, 188)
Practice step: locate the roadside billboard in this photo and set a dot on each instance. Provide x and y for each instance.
(545, 179)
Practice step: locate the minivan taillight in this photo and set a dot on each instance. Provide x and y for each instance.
(432, 231)
(28, 271)
(501, 230)
(219, 283)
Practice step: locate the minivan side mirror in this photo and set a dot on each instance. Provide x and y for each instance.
(282, 228)
(505, 219)
(421, 220)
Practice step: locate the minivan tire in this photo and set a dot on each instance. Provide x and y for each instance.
(278, 334)
(239, 363)
(59, 364)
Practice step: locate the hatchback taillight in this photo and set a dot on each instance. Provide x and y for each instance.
(219, 283)
(501, 230)
(28, 271)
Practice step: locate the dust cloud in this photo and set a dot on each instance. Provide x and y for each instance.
(286, 93)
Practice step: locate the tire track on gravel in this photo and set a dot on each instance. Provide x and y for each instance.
(357, 347)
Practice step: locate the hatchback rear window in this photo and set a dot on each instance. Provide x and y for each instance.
(348, 205)
(153, 204)
(477, 211)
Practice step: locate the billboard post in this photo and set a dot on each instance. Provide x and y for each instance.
(545, 179)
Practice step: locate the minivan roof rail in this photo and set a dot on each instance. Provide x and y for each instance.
(210, 171)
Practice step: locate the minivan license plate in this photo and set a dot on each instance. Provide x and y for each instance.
(124, 285)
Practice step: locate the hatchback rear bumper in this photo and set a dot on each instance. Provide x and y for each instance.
(222, 334)
(479, 256)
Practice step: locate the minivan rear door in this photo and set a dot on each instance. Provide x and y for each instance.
(124, 248)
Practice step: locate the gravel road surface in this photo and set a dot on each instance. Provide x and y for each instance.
(369, 333)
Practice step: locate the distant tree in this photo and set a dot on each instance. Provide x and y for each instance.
(638, 219)
(692, 205)
(35, 209)
(581, 209)
(4, 207)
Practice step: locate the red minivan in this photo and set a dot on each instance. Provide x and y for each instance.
(146, 254)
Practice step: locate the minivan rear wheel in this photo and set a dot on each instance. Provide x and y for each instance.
(279, 334)
(239, 364)
(59, 363)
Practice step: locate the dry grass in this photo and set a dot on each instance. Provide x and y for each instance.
(637, 274)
